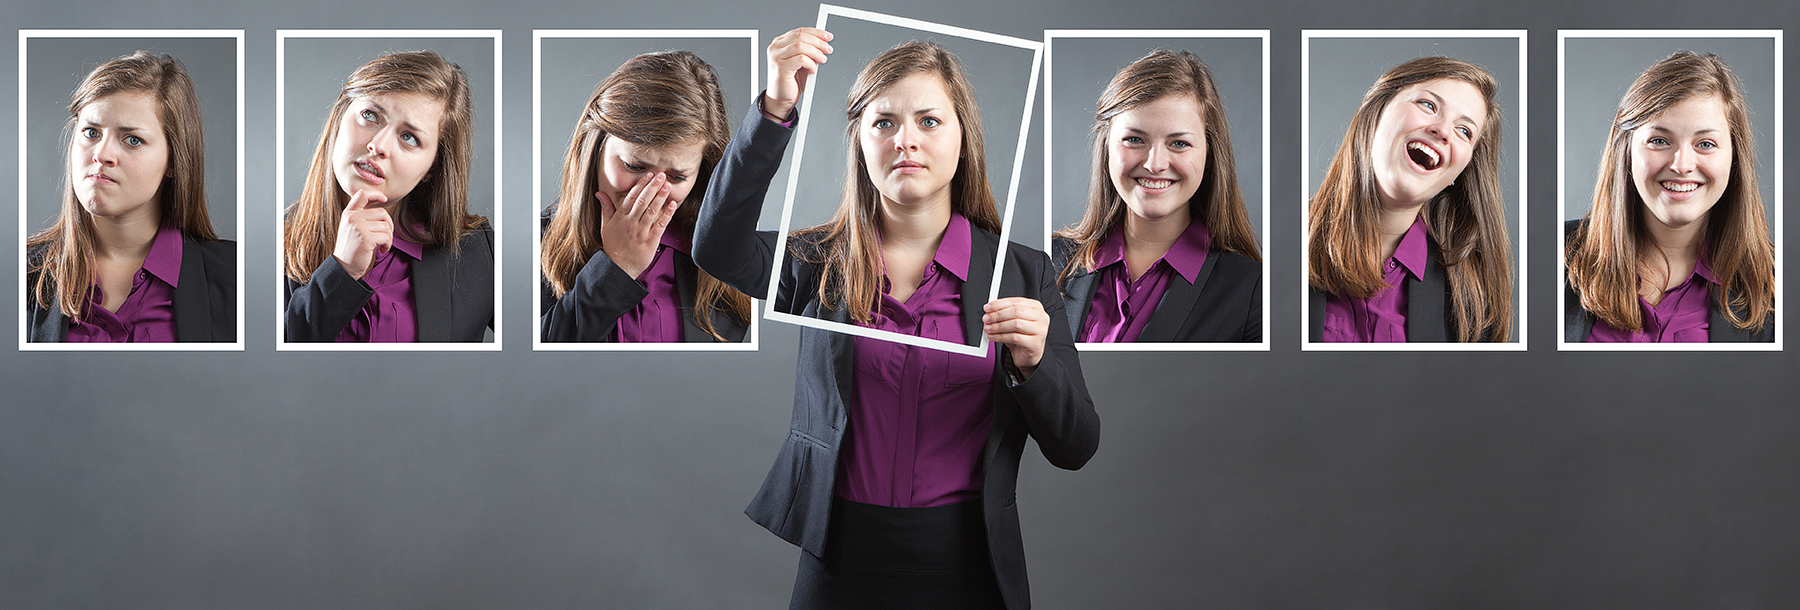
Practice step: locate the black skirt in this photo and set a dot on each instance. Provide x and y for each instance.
(877, 557)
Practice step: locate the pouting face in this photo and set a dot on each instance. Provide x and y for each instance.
(1681, 161)
(911, 141)
(624, 165)
(118, 156)
(1156, 156)
(1425, 138)
(386, 143)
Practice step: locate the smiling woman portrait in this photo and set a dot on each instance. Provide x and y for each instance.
(1165, 250)
(132, 256)
(380, 246)
(1406, 238)
(897, 477)
(1675, 248)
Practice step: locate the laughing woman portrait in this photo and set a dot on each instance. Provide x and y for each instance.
(615, 255)
(1406, 238)
(380, 246)
(1165, 251)
(132, 256)
(1675, 248)
(897, 477)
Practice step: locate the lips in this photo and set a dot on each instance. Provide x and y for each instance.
(1154, 184)
(101, 178)
(1679, 186)
(1424, 156)
(908, 166)
(369, 171)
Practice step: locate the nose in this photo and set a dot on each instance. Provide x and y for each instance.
(1684, 160)
(906, 139)
(1442, 130)
(105, 152)
(1157, 160)
(382, 142)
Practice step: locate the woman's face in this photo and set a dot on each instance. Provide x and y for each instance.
(1156, 155)
(624, 165)
(1681, 161)
(118, 156)
(1424, 139)
(386, 143)
(911, 141)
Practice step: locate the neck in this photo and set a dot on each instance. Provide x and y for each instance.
(128, 236)
(1396, 220)
(915, 225)
(1673, 249)
(1147, 241)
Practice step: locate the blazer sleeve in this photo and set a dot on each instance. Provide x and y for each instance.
(1054, 401)
(591, 309)
(1253, 330)
(320, 309)
(726, 242)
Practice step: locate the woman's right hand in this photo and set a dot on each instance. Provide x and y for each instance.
(631, 229)
(793, 58)
(362, 231)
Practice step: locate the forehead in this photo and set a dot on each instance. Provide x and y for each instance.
(138, 108)
(1696, 113)
(418, 109)
(1167, 114)
(915, 91)
(683, 155)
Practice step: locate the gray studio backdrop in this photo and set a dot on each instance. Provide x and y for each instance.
(1342, 71)
(1242, 480)
(58, 65)
(1596, 73)
(1080, 69)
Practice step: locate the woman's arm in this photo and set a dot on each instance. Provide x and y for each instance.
(1053, 396)
(320, 309)
(607, 287)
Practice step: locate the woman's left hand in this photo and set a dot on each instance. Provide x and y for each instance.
(1020, 324)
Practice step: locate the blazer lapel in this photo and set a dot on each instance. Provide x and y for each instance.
(1180, 299)
(1315, 314)
(982, 248)
(193, 318)
(1078, 292)
(1425, 321)
(1719, 328)
(1577, 322)
(52, 326)
(431, 296)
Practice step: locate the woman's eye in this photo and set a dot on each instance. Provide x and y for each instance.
(1657, 141)
(1180, 145)
(1132, 141)
(676, 178)
(367, 115)
(1429, 105)
(1466, 132)
(409, 139)
(633, 168)
(134, 141)
(882, 124)
(90, 133)
(1708, 144)
(930, 122)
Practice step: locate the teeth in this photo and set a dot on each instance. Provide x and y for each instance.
(1680, 187)
(1427, 151)
(1152, 183)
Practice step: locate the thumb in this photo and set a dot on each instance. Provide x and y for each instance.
(607, 209)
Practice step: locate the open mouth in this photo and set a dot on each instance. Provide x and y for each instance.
(1679, 187)
(1423, 156)
(369, 171)
(1154, 183)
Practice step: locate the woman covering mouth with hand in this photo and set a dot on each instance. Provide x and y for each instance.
(132, 256)
(1165, 251)
(380, 247)
(1406, 238)
(1675, 248)
(897, 478)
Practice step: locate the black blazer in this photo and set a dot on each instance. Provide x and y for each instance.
(1223, 304)
(1052, 406)
(453, 295)
(603, 293)
(1428, 319)
(205, 296)
(1578, 322)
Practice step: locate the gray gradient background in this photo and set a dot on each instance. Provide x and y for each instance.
(1083, 66)
(1597, 71)
(58, 66)
(521, 479)
(1343, 69)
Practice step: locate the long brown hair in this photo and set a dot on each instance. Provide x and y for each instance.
(1603, 254)
(440, 203)
(1218, 205)
(848, 244)
(1466, 219)
(654, 99)
(66, 264)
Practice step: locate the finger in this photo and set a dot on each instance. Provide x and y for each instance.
(801, 56)
(668, 213)
(633, 197)
(650, 202)
(358, 201)
(607, 208)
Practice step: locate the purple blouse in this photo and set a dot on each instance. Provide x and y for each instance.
(1380, 318)
(1681, 317)
(1121, 307)
(390, 315)
(921, 416)
(657, 318)
(148, 313)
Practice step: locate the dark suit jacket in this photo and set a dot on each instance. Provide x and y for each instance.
(1051, 406)
(1429, 319)
(603, 293)
(205, 296)
(453, 295)
(1224, 303)
(1579, 322)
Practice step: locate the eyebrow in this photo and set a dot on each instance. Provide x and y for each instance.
(409, 125)
(120, 127)
(1167, 135)
(1659, 128)
(915, 112)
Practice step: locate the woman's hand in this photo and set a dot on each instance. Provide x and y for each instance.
(631, 229)
(793, 58)
(362, 231)
(1020, 324)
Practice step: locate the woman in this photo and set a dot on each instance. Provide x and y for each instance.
(897, 477)
(615, 248)
(132, 256)
(1406, 238)
(380, 247)
(1165, 251)
(1675, 248)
